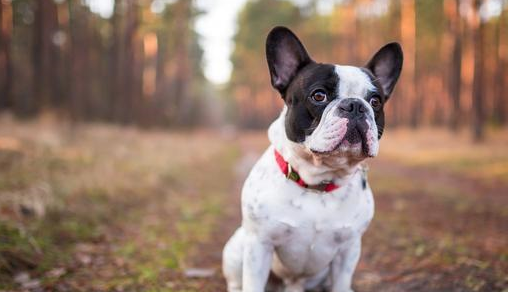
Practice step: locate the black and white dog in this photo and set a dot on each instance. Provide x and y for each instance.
(306, 202)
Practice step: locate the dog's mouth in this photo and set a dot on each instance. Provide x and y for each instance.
(354, 141)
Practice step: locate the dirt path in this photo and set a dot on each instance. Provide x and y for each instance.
(210, 255)
(433, 231)
(136, 217)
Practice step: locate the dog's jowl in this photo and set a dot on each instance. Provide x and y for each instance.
(306, 202)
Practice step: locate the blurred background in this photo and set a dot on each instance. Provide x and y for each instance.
(184, 63)
(128, 126)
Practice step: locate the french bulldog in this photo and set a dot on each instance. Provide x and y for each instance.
(306, 202)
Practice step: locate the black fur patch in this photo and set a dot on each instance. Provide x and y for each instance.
(304, 114)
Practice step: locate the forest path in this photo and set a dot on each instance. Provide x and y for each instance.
(151, 211)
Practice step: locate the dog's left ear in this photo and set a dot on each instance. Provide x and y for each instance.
(285, 55)
(386, 65)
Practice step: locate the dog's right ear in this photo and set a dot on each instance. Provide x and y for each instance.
(285, 55)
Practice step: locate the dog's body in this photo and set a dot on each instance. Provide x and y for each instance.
(308, 237)
(308, 233)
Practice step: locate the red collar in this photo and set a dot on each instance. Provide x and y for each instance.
(286, 169)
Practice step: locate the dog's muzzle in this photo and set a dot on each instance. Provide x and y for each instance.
(356, 112)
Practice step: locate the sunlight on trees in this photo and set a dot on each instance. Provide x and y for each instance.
(141, 62)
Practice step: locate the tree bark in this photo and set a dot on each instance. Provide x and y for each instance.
(44, 53)
(455, 82)
(408, 37)
(113, 59)
(182, 96)
(126, 85)
(500, 99)
(5, 56)
(79, 58)
(478, 105)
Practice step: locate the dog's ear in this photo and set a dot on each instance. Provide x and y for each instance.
(386, 65)
(285, 55)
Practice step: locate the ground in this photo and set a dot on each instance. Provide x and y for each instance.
(102, 208)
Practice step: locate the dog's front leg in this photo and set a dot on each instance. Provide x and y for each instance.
(257, 258)
(344, 264)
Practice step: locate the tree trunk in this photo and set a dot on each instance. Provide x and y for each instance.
(454, 81)
(183, 78)
(126, 85)
(61, 81)
(478, 39)
(136, 71)
(119, 82)
(44, 53)
(500, 99)
(5, 55)
(113, 59)
(398, 99)
(408, 37)
(79, 57)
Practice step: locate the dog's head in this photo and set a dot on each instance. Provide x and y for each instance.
(332, 109)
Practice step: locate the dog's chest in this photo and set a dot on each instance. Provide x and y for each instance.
(306, 227)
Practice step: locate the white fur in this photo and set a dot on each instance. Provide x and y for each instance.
(330, 131)
(308, 239)
(372, 138)
(353, 82)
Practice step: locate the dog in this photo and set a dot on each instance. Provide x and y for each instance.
(306, 202)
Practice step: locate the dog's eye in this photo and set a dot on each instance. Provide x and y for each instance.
(375, 102)
(319, 96)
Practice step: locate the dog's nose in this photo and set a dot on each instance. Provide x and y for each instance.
(353, 107)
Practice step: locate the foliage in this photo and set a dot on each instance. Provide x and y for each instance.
(137, 67)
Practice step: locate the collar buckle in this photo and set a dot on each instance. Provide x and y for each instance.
(292, 175)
